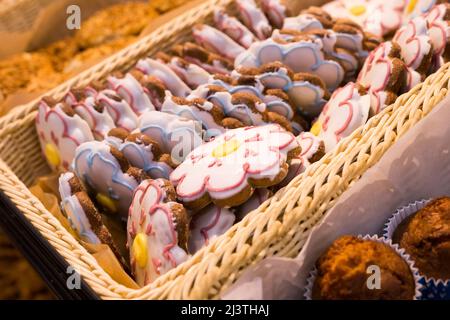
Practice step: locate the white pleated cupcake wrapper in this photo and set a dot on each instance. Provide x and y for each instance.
(401, 252)
(432, 289)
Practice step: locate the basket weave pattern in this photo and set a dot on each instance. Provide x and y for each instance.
(279, 227)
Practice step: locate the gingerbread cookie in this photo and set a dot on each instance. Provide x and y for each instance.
(383, 75)
(175, 135)
(211, 62)
(275, 11)
(158, 230)
(159, 70)
(153, 87)
(142, 152)
(308, 47)
(313, 149)
(190, 73)
(119, 110)
(325, 19)
(60, 131)
(201, 110)
(83, 216)
(416, 45)
(107, 174)
(415, 8)
(347, 110)
(216, 41)
(208, 224)
(96, 116)
(303, 22)
(278, 101)
(233, 28)
(131, 91)
(438, 20)
(254, 18)
(228, 169)
(378, 17)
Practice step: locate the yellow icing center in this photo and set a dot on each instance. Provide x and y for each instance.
(226, 148)
(316, 128)
(411, 6)
(107, 202)
(139, 250)
(52, 154)
(358, 10)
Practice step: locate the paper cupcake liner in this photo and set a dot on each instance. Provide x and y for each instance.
(433, 289)
(401, 252)
(401, 214)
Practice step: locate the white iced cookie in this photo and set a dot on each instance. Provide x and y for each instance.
(438, 20)
(142, 152)
(175, 135)
(415, 43)
(254, 18)
(275, 11)
(60, 131)
(346, 110)
(216, 41)
(303, 22)
(96, 116)
(132, 92)
(120, 111)
(415, 8)
(106, 174)
(313, 149)
(309, 48)
(383, 75)
(233, 28)
(200, 110)
(378, 17)
(170, 79)
(190, 73)
(157, 231)
(207, 225)
(228, 169)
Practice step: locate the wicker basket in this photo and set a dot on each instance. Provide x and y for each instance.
(279, 227)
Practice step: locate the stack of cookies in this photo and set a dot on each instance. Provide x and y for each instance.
(188, 142)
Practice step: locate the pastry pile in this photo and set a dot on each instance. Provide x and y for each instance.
(189, 141)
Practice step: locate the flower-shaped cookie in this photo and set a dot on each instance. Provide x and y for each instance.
(227, 169)
(379, 17)
(216, 41)
(415, 8)
(234, 28)
(60, 132)
(313, 149)
(312, 61)
(175, 135)
(208, 224)
(275, 11)
(120, 111)
(106, 174)
(254, 18)
(132, 92)
(96, 116)
(347, 110)
(415, 43)
(157, 231)
(383, 75)
(439, 29)
(162, 72)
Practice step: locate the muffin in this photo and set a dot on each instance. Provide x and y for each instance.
(342, 272)
(425, 236)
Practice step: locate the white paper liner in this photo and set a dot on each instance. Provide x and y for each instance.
(400, 251)
(438, 286)
(401, 214)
